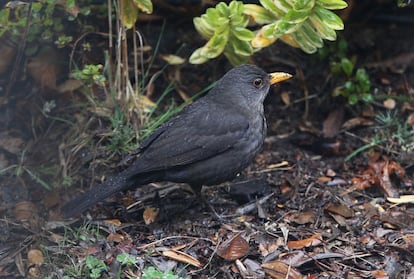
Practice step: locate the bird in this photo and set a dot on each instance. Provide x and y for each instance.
(209, 142)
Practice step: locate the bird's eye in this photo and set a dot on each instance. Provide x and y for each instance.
(258, 82)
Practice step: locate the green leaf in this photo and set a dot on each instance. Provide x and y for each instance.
(332, 4)
(283, 27)
(235, 59)
(242, 48)
(144, 5)
(243, 34)
(239, 20)
(236, 7)
(203, 27)
(303, 42)
(215, 46)
(311, 34)
(269, 31)
(329, 18)
(304, 5)
(347, 66)
(212, 14)
(271, 7)
(324, 31)
(129, 14)
(223, 9)
(296, 16)
(352, 99)
(367, 98)
(197, 58)
(259, 14)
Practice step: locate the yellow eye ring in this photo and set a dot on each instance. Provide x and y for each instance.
(258, 82)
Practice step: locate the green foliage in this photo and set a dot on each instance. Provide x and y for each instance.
(390, 134)
(153, 273)
(396, 132)
(357, 87)
(126, 259)
(225, 28)
(47, 22)
(94, 267)
(90, 75)
(130, 9)
(122, 135)
(300, 23)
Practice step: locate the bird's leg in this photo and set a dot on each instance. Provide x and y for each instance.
(199, 195)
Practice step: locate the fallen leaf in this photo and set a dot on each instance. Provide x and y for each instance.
(340, 209)
(301, 218)
(234, 248)
(11, 144)
(357, 121)
(307, 242)
(115, 222)
(69, 85)
(115, 237)
(35, 256)
(402, 199)
(24, 211)
(339, 219)
(389, 103)
(323, 179)
(150, 215)
(44, 69)
(280, 270)
(332, 123)
(379, 274)
(173, 59)
(182, 257)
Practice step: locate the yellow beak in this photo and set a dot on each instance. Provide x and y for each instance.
(278, 77)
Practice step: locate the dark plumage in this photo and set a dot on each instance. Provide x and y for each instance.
(207, 143)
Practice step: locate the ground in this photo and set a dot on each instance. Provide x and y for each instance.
(330, 195)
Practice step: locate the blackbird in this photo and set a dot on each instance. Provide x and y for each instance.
(207, 143)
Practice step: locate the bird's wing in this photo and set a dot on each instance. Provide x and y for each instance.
(201, 132)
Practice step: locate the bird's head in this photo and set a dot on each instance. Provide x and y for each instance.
(247, 84)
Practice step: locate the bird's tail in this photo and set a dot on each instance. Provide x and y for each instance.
(100, 192)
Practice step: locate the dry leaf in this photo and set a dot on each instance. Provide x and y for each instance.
(323, 180)
(389, 103)
(355, 122)
(234, 248)
(340, 209)
(173, 59)
(35, 256)
(115, 237)
(150, 215)
(115, 222)
(332, 124)
(379, 274)
(280, 270)
(44, 69)
(285, 98)
(402, 199)
(69, 85)
(301, 217)
(339, 219)
(24, 211)
(11, 144)
(182, 257)
(307, 242)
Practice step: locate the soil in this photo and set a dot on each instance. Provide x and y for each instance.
(304, 209)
